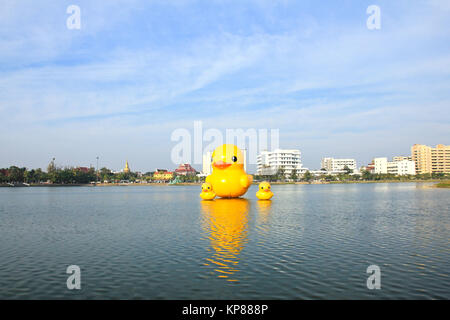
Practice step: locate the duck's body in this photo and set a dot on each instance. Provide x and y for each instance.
(264, 192)
(207, 192)
(229, 179)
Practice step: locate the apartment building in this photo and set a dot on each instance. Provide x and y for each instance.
(401, 158)
(431, 160)
(397, 167)
(401, 168)
(380, 165)
(269, 162)
(207, 164)
(332, 164)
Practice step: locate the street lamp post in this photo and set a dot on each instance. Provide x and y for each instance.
(97, 170)
(52, 163)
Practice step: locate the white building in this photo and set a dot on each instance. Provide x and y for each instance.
(399, 166)
(319, 173)
(207, 165)
(402, 167)
(269, 162)
(400, 158)
(333, 165)
(380, 165)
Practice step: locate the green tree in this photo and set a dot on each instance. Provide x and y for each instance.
(29, 176)
(348, 170)
(16, 174)
(40, 176)
(66, 176)
(280, 175)
(366, 175)
(294, 175)
(105, 174)
(438, 175)
(307, 176)
(3, 175)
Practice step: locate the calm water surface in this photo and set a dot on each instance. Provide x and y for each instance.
(309, 242)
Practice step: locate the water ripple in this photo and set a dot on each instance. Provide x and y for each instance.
(309, 242)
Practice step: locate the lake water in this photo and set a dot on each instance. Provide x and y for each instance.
(163, 242)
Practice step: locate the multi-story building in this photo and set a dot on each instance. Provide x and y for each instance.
(397, 167)
(269, 162)
(332, 164)
(401, 158)
(401, 168)
(185, 169)
(431, 160)
(162, 175)
(369, 168)
(380, 165)
(207, 167)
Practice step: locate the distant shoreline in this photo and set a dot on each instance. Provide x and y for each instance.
(440, 184)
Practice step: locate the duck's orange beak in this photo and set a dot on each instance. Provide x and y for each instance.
(221, 164)
(266, 190)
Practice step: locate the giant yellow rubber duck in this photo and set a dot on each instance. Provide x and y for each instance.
(264, 192)
(207, 192)
(228, 178)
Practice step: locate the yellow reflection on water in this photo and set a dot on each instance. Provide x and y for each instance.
(226, 223)
(264, 214)
(264, 210)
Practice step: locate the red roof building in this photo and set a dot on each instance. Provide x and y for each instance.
(185, 169)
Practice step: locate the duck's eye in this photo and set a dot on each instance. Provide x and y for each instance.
(262, 188)
(234, 158)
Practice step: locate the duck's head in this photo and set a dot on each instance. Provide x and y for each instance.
(264, 186)
(227, 156)
(206, 187)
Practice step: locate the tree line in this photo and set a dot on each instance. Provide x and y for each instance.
(67, 175)
(72, 175)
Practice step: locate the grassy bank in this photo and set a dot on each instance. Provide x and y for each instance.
(352, 181)
(443, 184)
(45, 185)
(385, 181)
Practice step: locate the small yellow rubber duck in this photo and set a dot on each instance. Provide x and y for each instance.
(264, 192)
(228, 178)
(207, 192)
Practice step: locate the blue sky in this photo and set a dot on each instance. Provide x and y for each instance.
(137, 70)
